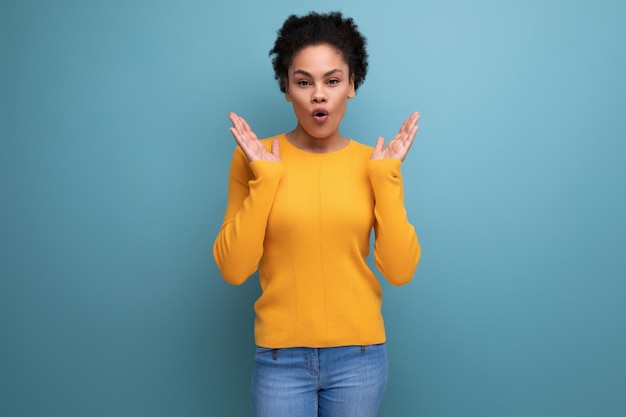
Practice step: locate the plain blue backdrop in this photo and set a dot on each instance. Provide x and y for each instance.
(113, 160)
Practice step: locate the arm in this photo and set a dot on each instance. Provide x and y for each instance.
(255, 172)
(396, 248)
(238, 247)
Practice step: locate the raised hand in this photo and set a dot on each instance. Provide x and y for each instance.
(249, 143)
(399, 146)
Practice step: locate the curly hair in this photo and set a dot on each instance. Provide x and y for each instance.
(316, 29)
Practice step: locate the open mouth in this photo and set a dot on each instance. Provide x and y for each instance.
(320, 114)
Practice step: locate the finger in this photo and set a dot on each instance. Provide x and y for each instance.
(414, 127)
(240, 124)
(411, 121)
(235, 120)
(244, 124)
(409, 128)
(406, 125)
(407, 140)
(245, 130)
(275, 147)
(380, 142)
(238, 137)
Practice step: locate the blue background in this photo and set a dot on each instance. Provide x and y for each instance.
(113, 160)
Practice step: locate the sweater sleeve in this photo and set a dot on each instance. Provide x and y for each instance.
(238, 247)
(396, 248)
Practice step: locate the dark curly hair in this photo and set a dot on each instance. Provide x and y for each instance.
(316, 29)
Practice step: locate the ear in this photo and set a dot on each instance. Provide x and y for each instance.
(352, 90)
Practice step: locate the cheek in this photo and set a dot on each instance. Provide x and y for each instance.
(299, 103)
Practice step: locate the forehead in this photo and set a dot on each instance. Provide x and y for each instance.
(322, 56)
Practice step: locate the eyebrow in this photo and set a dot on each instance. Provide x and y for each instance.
(308, 74)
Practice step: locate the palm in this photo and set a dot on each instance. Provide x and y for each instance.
(399, 146)
(249, 143)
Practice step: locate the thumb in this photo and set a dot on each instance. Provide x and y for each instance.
(275, 147)
(380, 142)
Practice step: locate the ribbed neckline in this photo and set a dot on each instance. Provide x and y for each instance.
(283, 139)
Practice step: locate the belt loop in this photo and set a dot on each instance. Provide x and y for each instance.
(362, 348)
(275, 354)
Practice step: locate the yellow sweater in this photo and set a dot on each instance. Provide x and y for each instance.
(305, 223)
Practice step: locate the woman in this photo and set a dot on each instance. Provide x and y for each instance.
(301, 208)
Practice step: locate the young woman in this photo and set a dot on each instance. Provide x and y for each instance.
(301, 208)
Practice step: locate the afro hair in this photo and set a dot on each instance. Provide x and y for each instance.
(332, 28)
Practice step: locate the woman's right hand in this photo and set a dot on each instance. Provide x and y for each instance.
(249, 143)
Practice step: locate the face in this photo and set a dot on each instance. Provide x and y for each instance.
(319, 86)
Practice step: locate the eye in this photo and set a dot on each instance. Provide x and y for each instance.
(333, 81)
(302, 83)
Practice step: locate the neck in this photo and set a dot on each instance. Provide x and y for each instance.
(302, 140)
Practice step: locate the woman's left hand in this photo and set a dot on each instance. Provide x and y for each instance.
(399, 146)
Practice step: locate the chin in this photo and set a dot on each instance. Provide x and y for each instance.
(322, 132)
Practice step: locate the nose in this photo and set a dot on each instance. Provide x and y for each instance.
(319, 96)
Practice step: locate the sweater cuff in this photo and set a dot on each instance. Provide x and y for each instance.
(387, 169)
(266, 169)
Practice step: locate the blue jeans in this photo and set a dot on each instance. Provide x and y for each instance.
(347, 381)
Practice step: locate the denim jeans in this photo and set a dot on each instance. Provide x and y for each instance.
(347, 381)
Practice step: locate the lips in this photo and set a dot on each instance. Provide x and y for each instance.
(320, 114)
